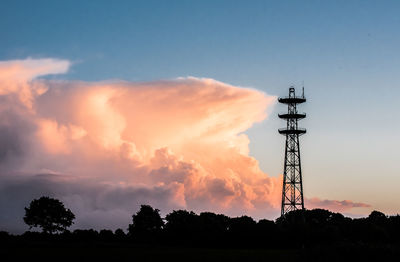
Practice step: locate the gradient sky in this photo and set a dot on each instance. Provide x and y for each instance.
(345, 52)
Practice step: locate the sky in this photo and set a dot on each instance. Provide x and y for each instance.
(66, 112)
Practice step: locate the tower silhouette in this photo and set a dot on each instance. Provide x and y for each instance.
(292, 191)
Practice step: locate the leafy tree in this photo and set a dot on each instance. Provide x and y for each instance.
(212, 227)
(49, 214)
(242, 225)
(377, 217)
(106, 235)
(292, 218)
(119, 234)
(211, 223)
(146, 221)
(182, 222)
(85, 234)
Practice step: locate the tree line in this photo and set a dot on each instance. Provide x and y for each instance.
(180, 227)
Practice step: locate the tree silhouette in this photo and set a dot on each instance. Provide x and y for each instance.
(377, 217)
(242, 225)
(49, 214)
(182, 222)
(119, 234)
(314, 233)
(211, 223)
(146, 221)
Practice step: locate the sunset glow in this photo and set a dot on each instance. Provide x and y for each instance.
(173, 144)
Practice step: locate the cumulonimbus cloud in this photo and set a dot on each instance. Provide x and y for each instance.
(104, 148)
(181, 140)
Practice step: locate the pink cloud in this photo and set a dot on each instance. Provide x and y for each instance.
(334, 205)
(111, 146)
(17, 75)
(183, 137)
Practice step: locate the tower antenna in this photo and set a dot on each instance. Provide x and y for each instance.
(292, 190)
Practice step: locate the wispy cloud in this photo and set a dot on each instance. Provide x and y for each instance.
(334, 205)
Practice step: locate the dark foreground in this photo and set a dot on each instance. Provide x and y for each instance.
(309, 235)
(44, 251)
(124, 253)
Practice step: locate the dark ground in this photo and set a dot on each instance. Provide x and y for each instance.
(127, 252)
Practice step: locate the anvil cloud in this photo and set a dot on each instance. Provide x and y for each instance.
(104, 148)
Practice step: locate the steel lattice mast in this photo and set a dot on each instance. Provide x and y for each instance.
(292, 191)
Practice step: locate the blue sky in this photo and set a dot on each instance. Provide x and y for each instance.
(346, 52)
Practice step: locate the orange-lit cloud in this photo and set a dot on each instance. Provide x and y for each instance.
(182, 136)
(104, 148)
(16, 77)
